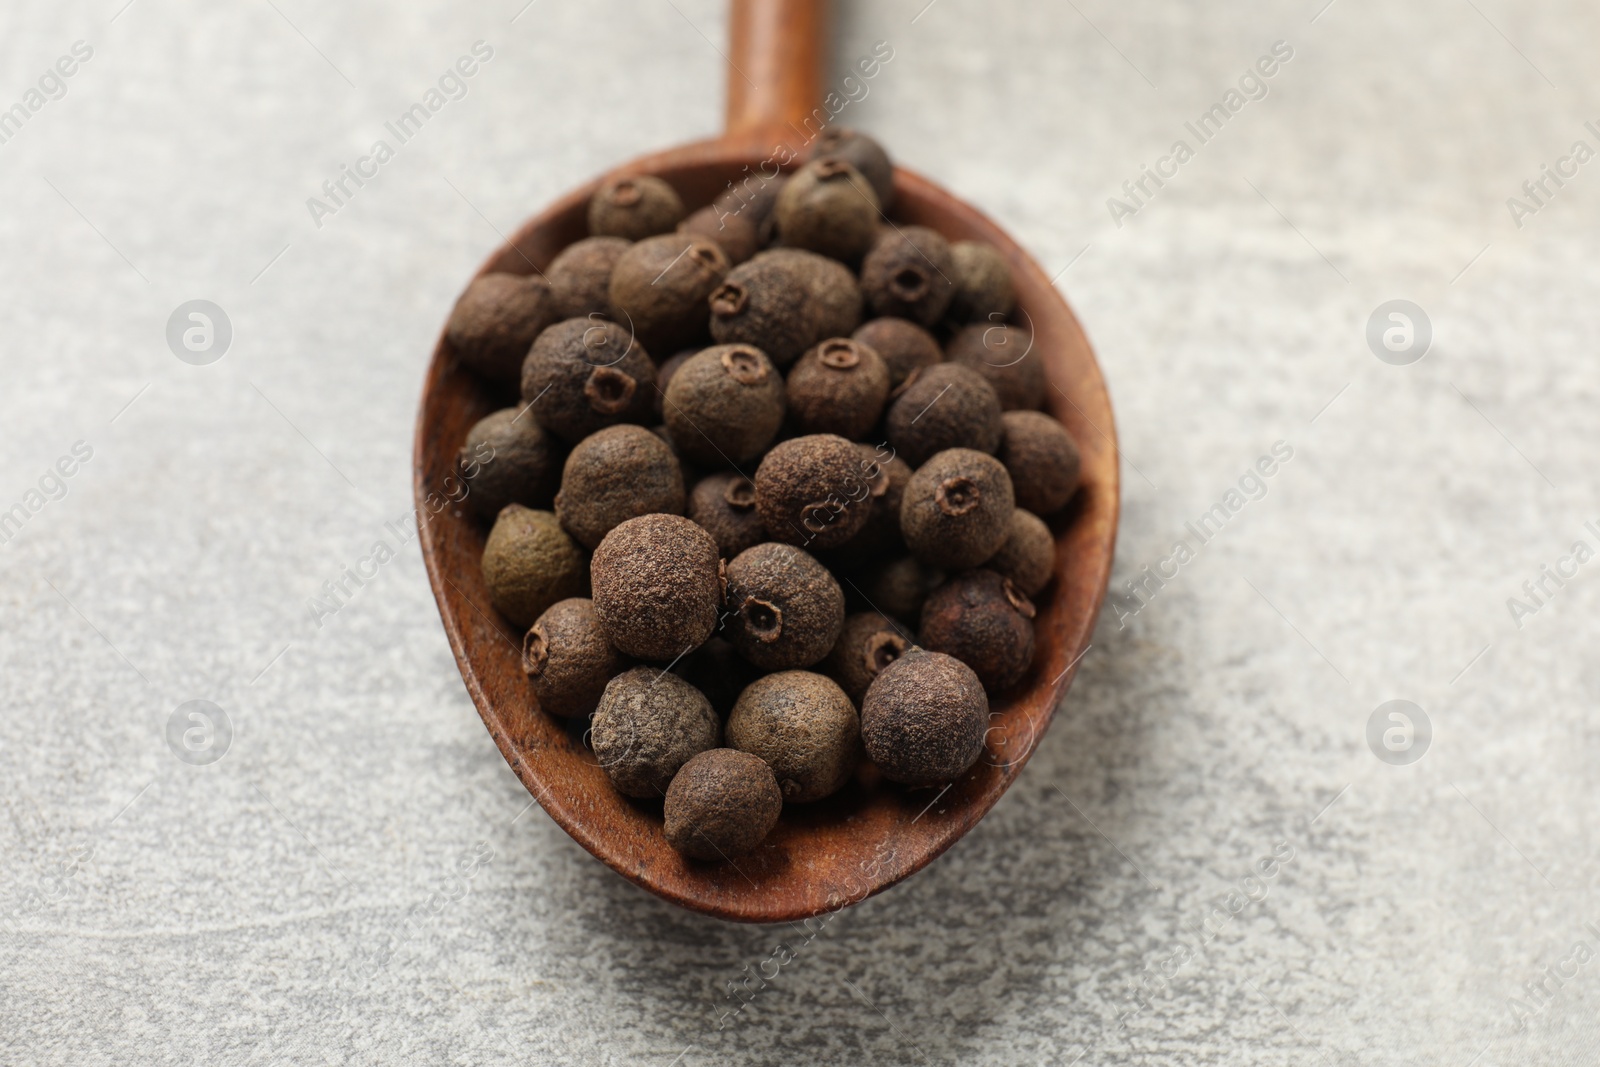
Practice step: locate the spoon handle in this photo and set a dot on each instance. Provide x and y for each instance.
(775, 58)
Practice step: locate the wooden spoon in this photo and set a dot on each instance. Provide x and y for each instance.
(872, 834)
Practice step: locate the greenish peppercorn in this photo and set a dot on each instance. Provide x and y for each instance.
(529, 563)
(984, 292)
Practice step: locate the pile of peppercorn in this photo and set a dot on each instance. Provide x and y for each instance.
(759, 523)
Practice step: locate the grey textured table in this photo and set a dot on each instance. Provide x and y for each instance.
(1206, 862)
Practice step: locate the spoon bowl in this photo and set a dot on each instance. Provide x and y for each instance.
(872, 833)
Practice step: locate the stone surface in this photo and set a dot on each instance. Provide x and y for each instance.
(360, 879)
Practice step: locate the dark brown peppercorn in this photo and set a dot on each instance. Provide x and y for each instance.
(613, 475)
(635, 207)
(887, 475)
(985, 622)
(664, 374)
(719, 672)
(861, 152)
(753, 196)
(657, 585)
(725, 505)
(580, 277)
(900, 587)
(867, 644)
(924, 718)
(828, 207)
(583, 374)
(840, 387)
(785, 300)
(738, 236)
(984, 292)
(725, 405)
(1042, 458)
(804, 727)
(903, 344)
(945, 406)
(1005, 357)
(660, 285)
(813, 491)
(649, 724)
(509, 459)
(568, 659)
(496, 319)
(785, 607)
(529, 563)
(909, 273)
(957, 509)
(1028, 556)
(722, 804)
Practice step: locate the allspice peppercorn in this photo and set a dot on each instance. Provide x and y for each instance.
(529, 563)
(861, 152)
(613, 475)
(804, 727)
(900, 587)
(660, 285)
(945, 406)
(738, 236)
(580, 277)
(725, 405)
(813, 491)
(649, 723)
(657, 584)
(785, 607)
(664, 372)
(984, 291)
(923, 719)
(984, 621)
(584, 374)
(828, 207)
(509, 459)
(753, 197)
(724, 504)
(904, 346)
(887, 476)
(722, 804)
(496, 319)
(719, 672)
(568, 659)
(909, 273)
(1028, 556)
(956, 512)
(868, 642)
(635, 207)
(838, 387)
(1042, 459)
(785, 300)
(1004, 356)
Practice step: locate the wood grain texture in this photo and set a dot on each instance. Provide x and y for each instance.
(872, 834)
(775, 59)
